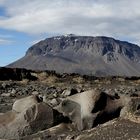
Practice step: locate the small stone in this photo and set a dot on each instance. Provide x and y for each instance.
(53, 102)
(35, 93)
(45, 99)
(6, 94)
(55, 95)
(4, 85)
(69, 92)
(13, 91)
(66, 93)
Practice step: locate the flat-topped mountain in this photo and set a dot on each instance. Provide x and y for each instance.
(101, 56)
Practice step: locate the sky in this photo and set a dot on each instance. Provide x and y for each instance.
(25, 22)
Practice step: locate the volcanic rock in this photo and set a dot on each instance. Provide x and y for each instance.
(101, 56)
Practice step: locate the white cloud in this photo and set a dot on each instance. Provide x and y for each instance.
(119, 18)
(6, 36)
(5, 41)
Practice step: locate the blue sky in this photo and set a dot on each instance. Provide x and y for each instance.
(25, 22)
(15, 45)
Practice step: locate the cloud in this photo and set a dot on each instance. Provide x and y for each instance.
(6, 39)
(120, 19)
(1, 2)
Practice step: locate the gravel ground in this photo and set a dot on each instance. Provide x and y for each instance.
(118, 130)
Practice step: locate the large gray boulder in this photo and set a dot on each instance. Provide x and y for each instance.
(24, 103)
(90, 108)
(37, 117)
(33, 119)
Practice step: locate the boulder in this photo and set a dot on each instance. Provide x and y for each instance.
(35, 93)
(29, 115)
(131, 109)
(24, 103)
(67, 92)
(54, 102)
(37, 117)
(90, 108)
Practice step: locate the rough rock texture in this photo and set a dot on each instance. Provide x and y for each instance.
(132, 110)
(99, 56)
(118, 129)
(90, 108)
(23, 104)
(54, 89)
(31, 120)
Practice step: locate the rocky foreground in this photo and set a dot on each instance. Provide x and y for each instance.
(45, 105)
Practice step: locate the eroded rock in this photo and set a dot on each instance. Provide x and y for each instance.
(24, 103)
(37, 117)
(90, 108)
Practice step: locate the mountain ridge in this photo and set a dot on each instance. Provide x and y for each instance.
(101, 56)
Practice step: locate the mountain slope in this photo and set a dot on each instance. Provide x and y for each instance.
(83, 54)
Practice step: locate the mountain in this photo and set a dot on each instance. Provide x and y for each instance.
(101, 56)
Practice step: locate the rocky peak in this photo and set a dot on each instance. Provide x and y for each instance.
(83, 54)
(103, 45)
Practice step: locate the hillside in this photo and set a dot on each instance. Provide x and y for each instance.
(100, 56)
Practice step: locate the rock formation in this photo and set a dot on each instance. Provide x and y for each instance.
(101, 56)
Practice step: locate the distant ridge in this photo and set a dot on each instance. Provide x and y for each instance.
(100, 56)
